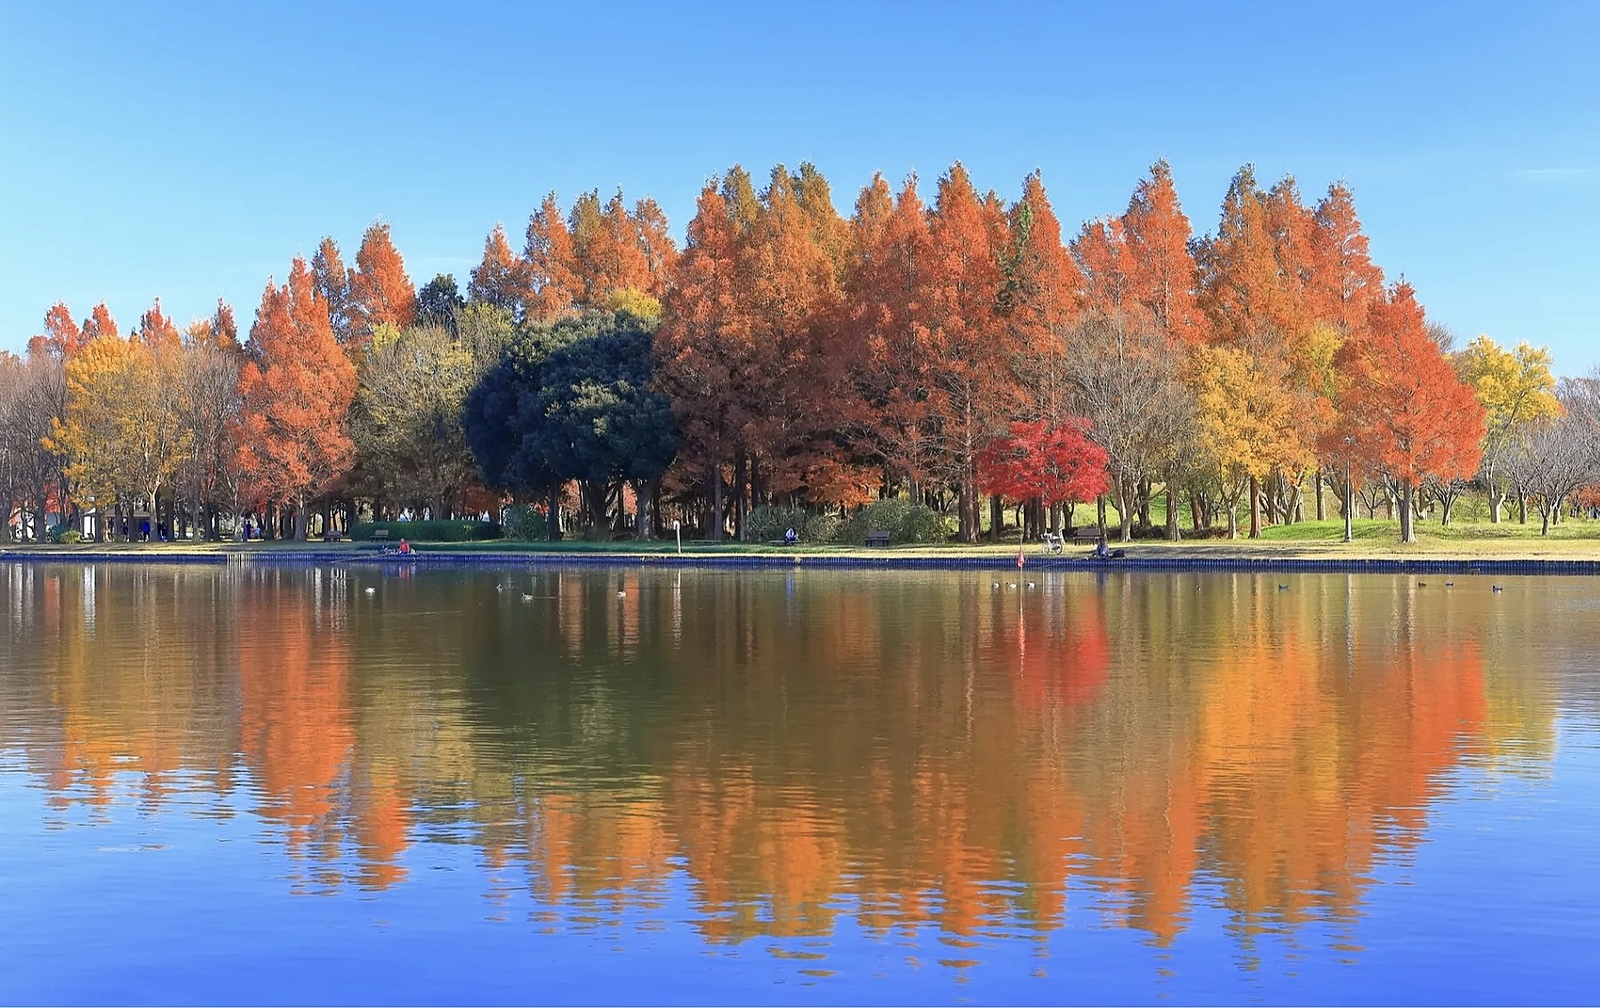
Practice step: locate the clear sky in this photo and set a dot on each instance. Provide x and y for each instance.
(189, 151)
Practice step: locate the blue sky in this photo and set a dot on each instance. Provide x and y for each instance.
(154, 149)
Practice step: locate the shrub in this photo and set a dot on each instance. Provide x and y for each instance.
(904, 521)
(523, 523)
(429, 531)
(921, 525)
(768, 524)
(764, 523)
(69, 536)
(822, 527)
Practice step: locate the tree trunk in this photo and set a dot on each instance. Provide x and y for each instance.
(714, 502)
(553, 516)
(1408, 530)
(1255, 508)
(641, 509)
(1100, 513)
(997, 517)
(739, 469)
(302, 519)
(966, 513)
(1497, 498)
(1522, 507)
(1322, 511)
(1174, 533)
(1124, 511)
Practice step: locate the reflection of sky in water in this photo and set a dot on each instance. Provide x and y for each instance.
(1391, 806)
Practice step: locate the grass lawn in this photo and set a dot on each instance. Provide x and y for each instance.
(1471, 535)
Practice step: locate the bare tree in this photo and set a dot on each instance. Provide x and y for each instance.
(32, 395)
(1550, 462)
(1125, 378)
(211, 402)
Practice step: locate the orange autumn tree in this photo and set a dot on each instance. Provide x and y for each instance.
(1162, 280)
(1404, 410)
(1257, 280)
(889, 259)
(297, 386)
(1162, 276)
(703, 346)
(380, 291)
(500, 278)
(99, 323)
(332, 281)
(61, 338)
(1041, 299)
(1343, 280)
(553, 286)
(971, 392)
(796, 386)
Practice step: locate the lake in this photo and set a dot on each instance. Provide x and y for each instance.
(355, 784)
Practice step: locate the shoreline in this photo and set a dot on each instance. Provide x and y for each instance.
(1146, 557)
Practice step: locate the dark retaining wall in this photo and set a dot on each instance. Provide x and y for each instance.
(987, 561)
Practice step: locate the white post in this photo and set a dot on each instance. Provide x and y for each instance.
(677, 530)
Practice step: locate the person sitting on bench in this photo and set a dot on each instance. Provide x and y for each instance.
(790, 537)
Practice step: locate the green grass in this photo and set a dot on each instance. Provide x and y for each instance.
(1362, 529)
(1470, 534)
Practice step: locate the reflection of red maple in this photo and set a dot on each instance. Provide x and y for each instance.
(1065, 658)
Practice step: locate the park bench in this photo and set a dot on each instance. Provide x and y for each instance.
(878, 538)
(380, 534)
(1052, 542)
(1088, 533)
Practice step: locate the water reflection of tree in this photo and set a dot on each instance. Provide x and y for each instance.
(913, 749)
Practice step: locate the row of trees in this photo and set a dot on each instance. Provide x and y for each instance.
(937, 350)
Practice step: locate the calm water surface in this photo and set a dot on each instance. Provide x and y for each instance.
(351, 785)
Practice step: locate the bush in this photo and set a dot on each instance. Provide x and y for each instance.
(821, 527)
(69, 537)
(904, 521)
(429, 531)
(768, 524)
(524, 524)
(765, 523)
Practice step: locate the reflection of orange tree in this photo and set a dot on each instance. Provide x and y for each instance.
(838, 748)
(295, 718)
(1319, 756)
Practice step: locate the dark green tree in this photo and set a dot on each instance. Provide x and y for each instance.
(440, 303)
(572, 401)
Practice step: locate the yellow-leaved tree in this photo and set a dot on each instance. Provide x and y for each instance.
(1516, 388)
(1246, 423)
(122, 431)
